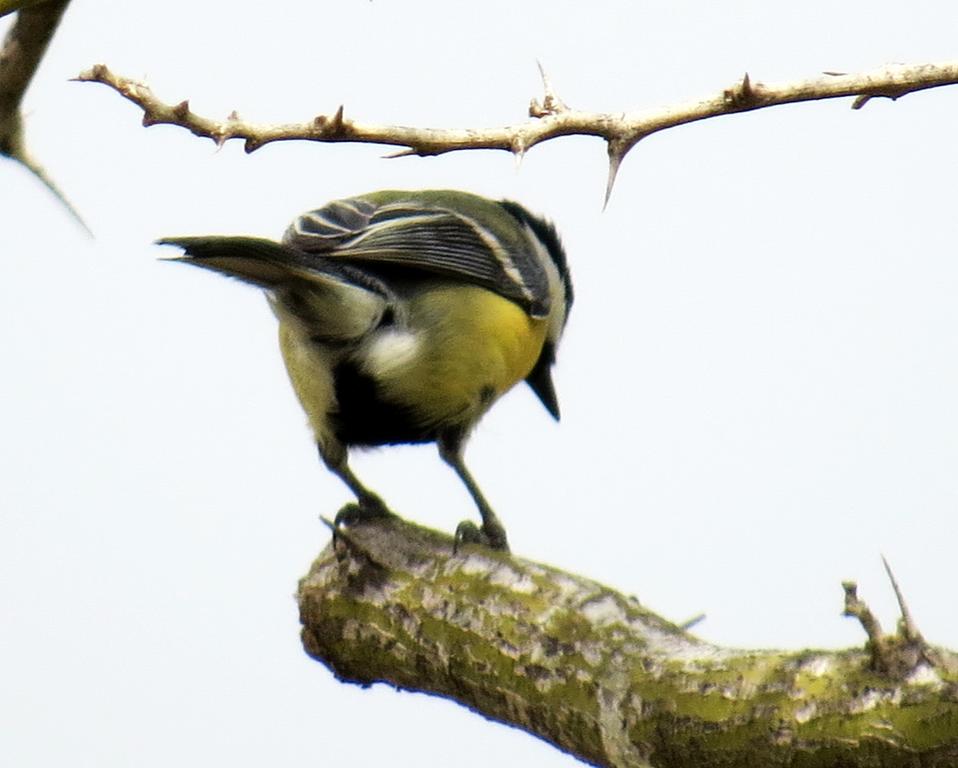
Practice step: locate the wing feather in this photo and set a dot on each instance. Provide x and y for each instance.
(479, 242)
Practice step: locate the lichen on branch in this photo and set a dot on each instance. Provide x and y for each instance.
(598, 675)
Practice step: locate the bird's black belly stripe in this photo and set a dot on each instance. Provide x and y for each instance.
(364, 418)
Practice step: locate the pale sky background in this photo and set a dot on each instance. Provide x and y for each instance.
(758, 379)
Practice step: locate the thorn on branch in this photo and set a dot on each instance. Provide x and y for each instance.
(331, 127)
(337, 123)
(620, 130)
(518, 148)
(617, 148)
(743, 95)
(252, 144)
(551, 104)
(907, 627)
(890, 92)
(221, 133)
(94, 74)
(182, 110)
(408, 152)
(13, 146)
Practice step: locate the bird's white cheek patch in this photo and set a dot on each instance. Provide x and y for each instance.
(390, 351)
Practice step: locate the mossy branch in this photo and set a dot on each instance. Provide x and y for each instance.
(601, 677)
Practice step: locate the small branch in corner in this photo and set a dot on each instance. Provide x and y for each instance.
(894, 655)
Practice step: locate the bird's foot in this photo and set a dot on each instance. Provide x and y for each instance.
(494, 537)
(366, 510)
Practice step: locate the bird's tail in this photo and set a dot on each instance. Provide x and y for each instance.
(256, 260)
(329, 301)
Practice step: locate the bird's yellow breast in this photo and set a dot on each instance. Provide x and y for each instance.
(455, 351)
(471, 346)
(310, 369)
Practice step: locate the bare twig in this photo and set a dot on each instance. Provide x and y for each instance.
(551, 118)
(858, 608)
(894, 655)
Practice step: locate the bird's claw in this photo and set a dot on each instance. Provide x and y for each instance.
(467, 532)
(365, 511)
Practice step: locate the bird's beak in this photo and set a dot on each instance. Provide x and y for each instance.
(540, 379)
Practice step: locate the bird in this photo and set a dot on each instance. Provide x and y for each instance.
(403, 317)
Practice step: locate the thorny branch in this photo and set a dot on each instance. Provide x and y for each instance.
(550, 118)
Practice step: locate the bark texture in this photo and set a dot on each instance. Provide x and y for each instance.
(599, 676)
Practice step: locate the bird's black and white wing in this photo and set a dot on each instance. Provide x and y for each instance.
(476, 240)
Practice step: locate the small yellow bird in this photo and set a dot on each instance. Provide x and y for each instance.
(403, 316)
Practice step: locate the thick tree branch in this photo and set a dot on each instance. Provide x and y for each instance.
(551, 118)
(21, 54)
(601, 677)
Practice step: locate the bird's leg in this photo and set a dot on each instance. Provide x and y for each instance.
(492, 534)
(369, 506)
